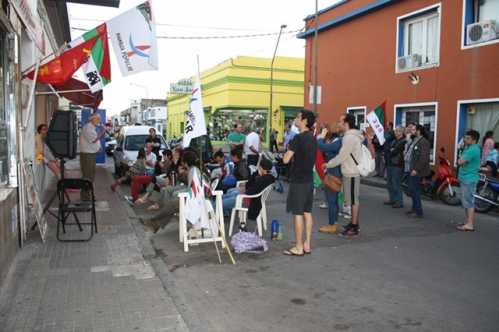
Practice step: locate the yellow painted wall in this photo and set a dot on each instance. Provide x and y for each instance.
(244, 82)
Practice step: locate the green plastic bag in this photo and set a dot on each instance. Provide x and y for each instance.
(317, 179)
(341, 199)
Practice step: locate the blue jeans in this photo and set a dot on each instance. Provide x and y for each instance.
(332, 204)
(394, 179)
(229, 200)
(414, 183)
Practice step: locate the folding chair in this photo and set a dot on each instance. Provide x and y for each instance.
(67, 208)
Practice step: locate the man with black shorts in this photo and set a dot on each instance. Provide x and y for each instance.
(301, 150)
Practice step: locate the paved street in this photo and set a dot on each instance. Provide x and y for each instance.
(398, 275)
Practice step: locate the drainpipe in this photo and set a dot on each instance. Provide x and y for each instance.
(316, 53)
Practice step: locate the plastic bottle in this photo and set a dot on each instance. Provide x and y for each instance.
(274, 229)
(280, 234)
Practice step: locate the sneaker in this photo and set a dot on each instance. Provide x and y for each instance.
(323, 205)
(129, 200)
(331, 229)
(350, 230)
(347, 216)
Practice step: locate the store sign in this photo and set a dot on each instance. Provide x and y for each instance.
(33, 27)
(182, 86)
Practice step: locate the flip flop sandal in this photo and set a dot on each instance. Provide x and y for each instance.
(293, 252)
(464, 229)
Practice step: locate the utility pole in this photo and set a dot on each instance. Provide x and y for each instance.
(270, 115)
(315, 55)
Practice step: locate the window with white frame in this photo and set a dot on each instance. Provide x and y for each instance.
(480, 22)
(424, 115)
(419, 39)
(359, 114)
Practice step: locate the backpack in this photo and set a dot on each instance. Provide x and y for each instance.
(366, 163)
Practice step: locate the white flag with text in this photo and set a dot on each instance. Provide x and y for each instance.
(133, 36)
(195, 124)
(377, 126)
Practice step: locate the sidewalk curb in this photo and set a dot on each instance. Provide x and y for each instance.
(191, 319)
(372, 183)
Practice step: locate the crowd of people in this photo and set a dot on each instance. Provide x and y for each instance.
(156, 177)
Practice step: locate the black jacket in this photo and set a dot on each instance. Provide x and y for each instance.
(256, 184)
(420, 161)
(241, 170)
(396, 153)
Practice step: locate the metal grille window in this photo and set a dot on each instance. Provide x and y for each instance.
(426, 116)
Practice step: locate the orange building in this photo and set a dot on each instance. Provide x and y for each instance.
(434, 62)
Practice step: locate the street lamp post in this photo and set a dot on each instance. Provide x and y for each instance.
(283, 26)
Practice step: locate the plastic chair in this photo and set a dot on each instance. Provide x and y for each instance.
(67, 208)
(261, 220)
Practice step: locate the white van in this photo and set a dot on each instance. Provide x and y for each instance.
(129, 142)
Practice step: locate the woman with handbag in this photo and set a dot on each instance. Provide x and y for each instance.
(329, 143)
(138, 168)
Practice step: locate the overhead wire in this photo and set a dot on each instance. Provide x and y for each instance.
(184, 26)
(254, 35)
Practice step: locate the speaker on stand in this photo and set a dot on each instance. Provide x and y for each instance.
(62, 142)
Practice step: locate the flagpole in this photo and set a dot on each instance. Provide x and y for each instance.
(27, 70)
(41, 93)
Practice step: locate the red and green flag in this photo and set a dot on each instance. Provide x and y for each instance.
(377, 121)
(59, 70)
(380, 113)
(90, 51)
(97, 68)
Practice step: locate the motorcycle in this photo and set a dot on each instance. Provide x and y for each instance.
(487, 192)
(441, 183)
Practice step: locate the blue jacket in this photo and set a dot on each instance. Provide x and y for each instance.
(330, 151)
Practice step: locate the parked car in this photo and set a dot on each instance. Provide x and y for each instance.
(110, 145)
(130, 140)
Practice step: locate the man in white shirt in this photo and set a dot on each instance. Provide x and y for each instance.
(252, 148)
(150, 159)
(89, 146)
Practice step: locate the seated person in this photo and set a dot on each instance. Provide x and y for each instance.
(166, 161)
(492, 161)
(156, 190)
(138, 168)
(255, 185)
(150, 159)
(168, 199)
(241, 170)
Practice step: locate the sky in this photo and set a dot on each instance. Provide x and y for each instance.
(177, 58)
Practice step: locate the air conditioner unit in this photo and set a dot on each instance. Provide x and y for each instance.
(409, 61)
(480, 32)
